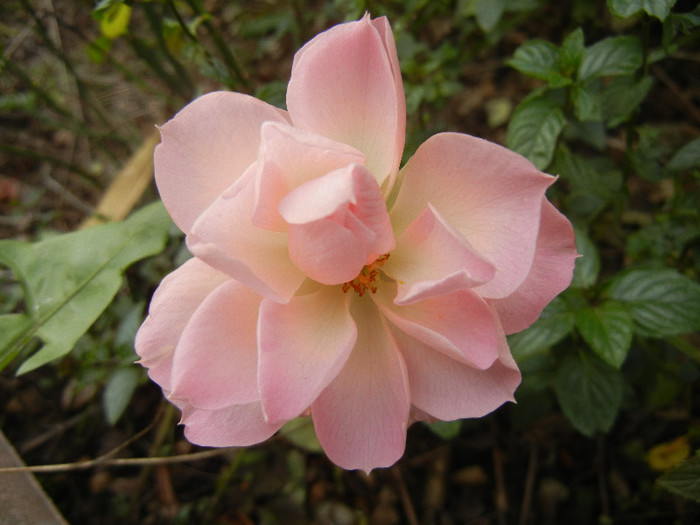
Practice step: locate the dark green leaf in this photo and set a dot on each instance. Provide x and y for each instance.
(589, 392)
(555, 323)
(572, 52)
(627, 8)
(612, 56)
(488, 13)
(586, 103)
(70, 279)
(608, 331)
(684, 480)
(536, 58)
(686, 158)
(622, 96)
(534, 129)
(661, 301)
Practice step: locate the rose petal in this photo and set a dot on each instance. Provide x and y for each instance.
(288, 158)
(431, 258)
(303, 346)
(338, 224)
(489, 194)
(175, 300)
(447, 389)
(361, 417)
(346, 85)
(225, 237)
(460, 325)
(205, 148)
(237, 425)
(215, 362)
(551, 273)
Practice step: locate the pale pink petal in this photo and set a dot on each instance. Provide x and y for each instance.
(303, 346)
(338, 224)
(489, 194)
(225, 237)
(234, 426)
(346, 85)
(175, 300)
(215, 362)
(460, 325)
(288, 158)
(361, 417)
(431, 258)
(205, 148)
(447, 389)
(550, 275)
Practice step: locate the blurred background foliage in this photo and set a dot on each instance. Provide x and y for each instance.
(603, 94)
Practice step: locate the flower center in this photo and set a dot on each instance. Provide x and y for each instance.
(368, 276)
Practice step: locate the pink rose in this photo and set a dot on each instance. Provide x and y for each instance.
(326, 282)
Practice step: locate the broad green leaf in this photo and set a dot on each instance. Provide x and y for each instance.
(661, 301)
(686, 158)
(612, 56)
(589, 392)
(70, 279)
(608, 331)
(622, 96)
(627, 8)
(538, 59)
(684, 480)
(534, 129)
(120, 387)
(555, 323)
(588, 265)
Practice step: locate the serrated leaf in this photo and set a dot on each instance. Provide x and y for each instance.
(538, 59)
(684, 480)
(118, 392)
(534, 129)
(608, 331)
(70, 279)
(589, 392)
(586, 103)
(687, 157)
(661, 301)
(622, 96)
(588, 265)
(612, 56)
(627, 8)
(555, 323)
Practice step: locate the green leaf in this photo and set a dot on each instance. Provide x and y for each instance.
(534, 129)
(586, 103)
(612, 56)
(300, 432)
(627, 8)
(120, 387)
(589, 392)
(661, 301)
(684, 480)
(608, 331)
(588, 265)
(70, 279)
(555, 323)
(622, 96)
(488, 13)
(446, 429)
(572, 52)
(538, 59)
(686, 158)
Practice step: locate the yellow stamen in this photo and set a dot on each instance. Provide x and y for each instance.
(367, 277)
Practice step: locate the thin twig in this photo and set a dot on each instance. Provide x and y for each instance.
(529, 483)
(411, 516)
(117, 462)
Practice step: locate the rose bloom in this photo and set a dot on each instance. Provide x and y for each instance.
(326, 281)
